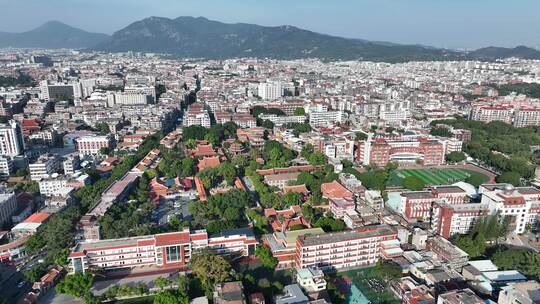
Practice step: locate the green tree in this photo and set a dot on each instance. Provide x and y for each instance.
(299, 111)
(358, 136)
(455, 157)
(389, 270)
(509, 177)
(292, 198)
(191, 143)
(470, 245)
(443, 132)
(317, 158)
(188, 166)
(267, 124)
(161, 283)
(103, 128)
(522, 260)
(413, 183)
(265, 255)
(76, 285)
(151, 173)
(194, 132)
(170, 297)
(307, 150)
(210, 268)
(35, 273)
(228, 172)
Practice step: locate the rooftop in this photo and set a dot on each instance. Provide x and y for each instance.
(359, 233)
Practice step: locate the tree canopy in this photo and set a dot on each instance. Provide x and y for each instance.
(500, 145)
(266, 257)
(76, 285)
(455, 157)
(440, 131)
(210, 268)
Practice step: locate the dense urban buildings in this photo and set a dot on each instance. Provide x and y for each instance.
(414, 181)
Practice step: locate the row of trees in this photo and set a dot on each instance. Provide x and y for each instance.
(530, 89)
(522, 260)
(56, 236)
(318, 219)
(502, 146)
(130, 218)
(258, 110)
(174, 164)
(21, 80)
(298, 128)
(214, 135)
(222, 211)
(276, 155)
(314, 158)
(488, 229)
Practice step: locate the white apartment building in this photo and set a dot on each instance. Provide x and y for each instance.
(141, 89)
(92, 144)
(44, 167)
(394, 112)
(270, 90)
(521, 204)
(200, 119)
(527, 117)
(328, 118)
(8, 205)
(124, 98)
(281, 120)
(451, 145)
(70, 164)
(340, 149)
(59, 90)
(311, 280)
(6, 165)
(11, 139)
(492, 113)
(56, 186)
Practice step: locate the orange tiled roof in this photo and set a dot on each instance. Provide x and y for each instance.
(335, 190)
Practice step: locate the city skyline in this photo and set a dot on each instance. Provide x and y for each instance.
(415, 22)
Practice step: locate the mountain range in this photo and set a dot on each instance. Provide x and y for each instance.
(204, 38)
(52, 35)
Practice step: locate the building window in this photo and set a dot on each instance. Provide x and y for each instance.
(173, 254)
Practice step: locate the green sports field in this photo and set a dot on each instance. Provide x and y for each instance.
(434, 176)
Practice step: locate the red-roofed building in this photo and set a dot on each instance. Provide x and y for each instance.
(335, 190)
(48, 280)
(38, 217)
(163, 187)
(203, 151)
(302, 189)
(30, 126)
(200, 189)
(208, 162)
(282, 220)
(166, 250)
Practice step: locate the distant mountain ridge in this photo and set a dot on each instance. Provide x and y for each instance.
(198, 37)
(491, 53)
(52, 35)
(203, 38)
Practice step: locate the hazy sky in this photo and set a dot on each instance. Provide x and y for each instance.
(442, 23)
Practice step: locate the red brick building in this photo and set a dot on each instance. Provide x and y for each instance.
(162, 250)
(381, 151)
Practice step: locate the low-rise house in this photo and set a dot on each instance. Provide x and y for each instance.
(311, 280)
(292, 294)
(229, 293)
